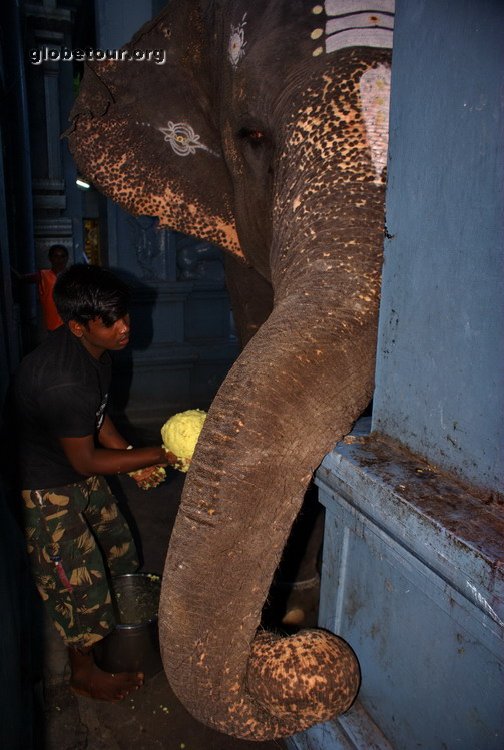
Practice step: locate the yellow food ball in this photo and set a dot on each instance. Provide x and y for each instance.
(180, 434)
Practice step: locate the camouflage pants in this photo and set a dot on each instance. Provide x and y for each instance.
(76, 537)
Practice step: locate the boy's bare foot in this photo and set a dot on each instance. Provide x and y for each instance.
(92, 682)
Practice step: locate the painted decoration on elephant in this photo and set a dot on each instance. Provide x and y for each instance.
(375, 98)
(236, 46)
(354, 23)
(183, 139)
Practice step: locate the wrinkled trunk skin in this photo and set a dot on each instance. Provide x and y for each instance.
(247, 483)
(295, 390)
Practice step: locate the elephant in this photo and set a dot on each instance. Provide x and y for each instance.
(265, 132)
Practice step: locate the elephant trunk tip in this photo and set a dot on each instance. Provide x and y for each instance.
(303, 679)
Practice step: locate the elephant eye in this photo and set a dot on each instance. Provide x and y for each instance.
(254, 136)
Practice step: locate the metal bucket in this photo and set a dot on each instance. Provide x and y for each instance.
(134, 644)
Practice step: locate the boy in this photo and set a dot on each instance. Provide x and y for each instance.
(66, 443)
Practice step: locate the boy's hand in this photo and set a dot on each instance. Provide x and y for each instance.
(150, 477)
(171, 458)
(182, 464)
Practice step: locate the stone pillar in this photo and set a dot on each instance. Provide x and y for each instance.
(48, 30)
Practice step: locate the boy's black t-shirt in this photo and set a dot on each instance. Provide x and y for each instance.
(60, 390)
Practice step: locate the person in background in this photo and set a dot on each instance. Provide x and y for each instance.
(45, 278)
(75, 532)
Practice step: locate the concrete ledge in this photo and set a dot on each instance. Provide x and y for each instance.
(412, 578)
(355, 730)
(457, 530)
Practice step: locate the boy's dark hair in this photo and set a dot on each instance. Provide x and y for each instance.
(83, 293)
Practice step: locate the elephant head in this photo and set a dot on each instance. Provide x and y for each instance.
(265, 132)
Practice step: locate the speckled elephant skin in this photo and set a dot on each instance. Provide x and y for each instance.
(265, 131)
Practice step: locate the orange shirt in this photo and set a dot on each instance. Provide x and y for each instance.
(46, 281)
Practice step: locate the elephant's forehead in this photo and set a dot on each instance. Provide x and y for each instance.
(275, 31)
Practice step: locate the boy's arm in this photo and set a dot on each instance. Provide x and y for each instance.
(109, 437)
(88, 460)
(145, 478)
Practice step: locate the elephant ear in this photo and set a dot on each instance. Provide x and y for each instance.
(142, 130)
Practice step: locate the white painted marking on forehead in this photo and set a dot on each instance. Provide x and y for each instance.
(183, 139)
(237, 43)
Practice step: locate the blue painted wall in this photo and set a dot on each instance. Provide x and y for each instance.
(115, 28)
(440, 369)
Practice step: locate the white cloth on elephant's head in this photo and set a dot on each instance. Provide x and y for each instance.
(357, 23)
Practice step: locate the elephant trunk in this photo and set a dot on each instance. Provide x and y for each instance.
(296, 389)
(258, 436)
